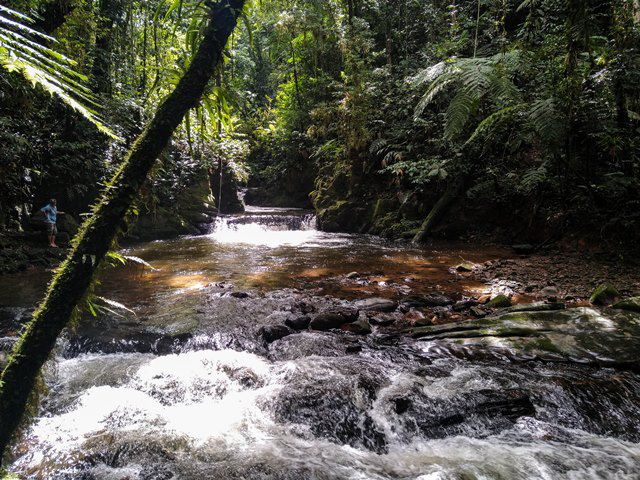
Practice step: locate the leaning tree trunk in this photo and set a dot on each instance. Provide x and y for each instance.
(439, 209)
(93, 241)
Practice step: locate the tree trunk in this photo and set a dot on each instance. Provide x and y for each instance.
(108, 13)
(54, 14)
(441, 206)
(94, 239)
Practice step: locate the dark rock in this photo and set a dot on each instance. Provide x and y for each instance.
(383, 319)
(66, 223)
(239, 294)
(360, 327)
(353, 349)
(376, 304)
(401, 405)
(333, 319)
(336, 409)
(271, 333)
(631, 304)
(436, 300)
(537, 307)
(523, 249)
(298, 322)
(464, 304)
(550, 292)
(478, 312)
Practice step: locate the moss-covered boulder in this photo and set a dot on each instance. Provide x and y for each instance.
(632, 304)
(344, 216)
(67, 224)
(581, 335)
(604, 294)
(499, 301)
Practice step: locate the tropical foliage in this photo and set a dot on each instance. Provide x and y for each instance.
(532, 106)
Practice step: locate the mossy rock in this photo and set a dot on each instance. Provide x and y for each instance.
(582, 335)
(344, 216)
(385, 206)
(67, 224)
(604, 294)
(632, 304)
(465, 267)
(500, 301)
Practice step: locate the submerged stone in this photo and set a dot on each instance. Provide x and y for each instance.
(376, 304)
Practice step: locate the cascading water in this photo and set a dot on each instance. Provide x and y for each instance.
(189, 389)
(267, 227)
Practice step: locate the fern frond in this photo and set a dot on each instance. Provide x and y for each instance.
(23, 50)
(545, 119)
(432, 92)
(494, 121)
(463, 106)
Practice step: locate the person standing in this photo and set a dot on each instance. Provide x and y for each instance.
(51, 213)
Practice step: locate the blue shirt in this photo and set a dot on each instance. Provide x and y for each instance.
(50, 212)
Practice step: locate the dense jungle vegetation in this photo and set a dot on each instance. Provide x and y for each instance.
(498, 122)
(514, 118)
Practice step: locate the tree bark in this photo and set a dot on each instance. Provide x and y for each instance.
(108, 13)
(440, 208)
(54, 14)
(74, 277)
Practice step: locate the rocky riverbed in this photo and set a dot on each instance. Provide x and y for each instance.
(269, 350)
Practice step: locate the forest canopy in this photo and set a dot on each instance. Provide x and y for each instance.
(373, 109)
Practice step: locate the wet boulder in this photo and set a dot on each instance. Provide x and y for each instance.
(333, 319)
(382, 318)
(298, 322)
(359, 327)
(336, 408)
(463, 305)
(271, 333)
(376, 304)
(581, 335)
(632, 304)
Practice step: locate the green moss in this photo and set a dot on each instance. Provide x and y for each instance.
(632, 304)
(604, 294)
(500, 301)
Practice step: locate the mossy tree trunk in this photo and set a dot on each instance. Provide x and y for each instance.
(96, 236)
(440, 208)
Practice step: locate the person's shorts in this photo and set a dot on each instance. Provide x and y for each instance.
(52, 229)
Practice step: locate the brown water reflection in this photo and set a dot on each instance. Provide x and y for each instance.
(252, 256)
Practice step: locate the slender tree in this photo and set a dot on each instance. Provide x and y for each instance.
(96, 236)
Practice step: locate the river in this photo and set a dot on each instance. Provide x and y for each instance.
(186, 386)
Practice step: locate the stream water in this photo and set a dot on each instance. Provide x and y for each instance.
(187, 388)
